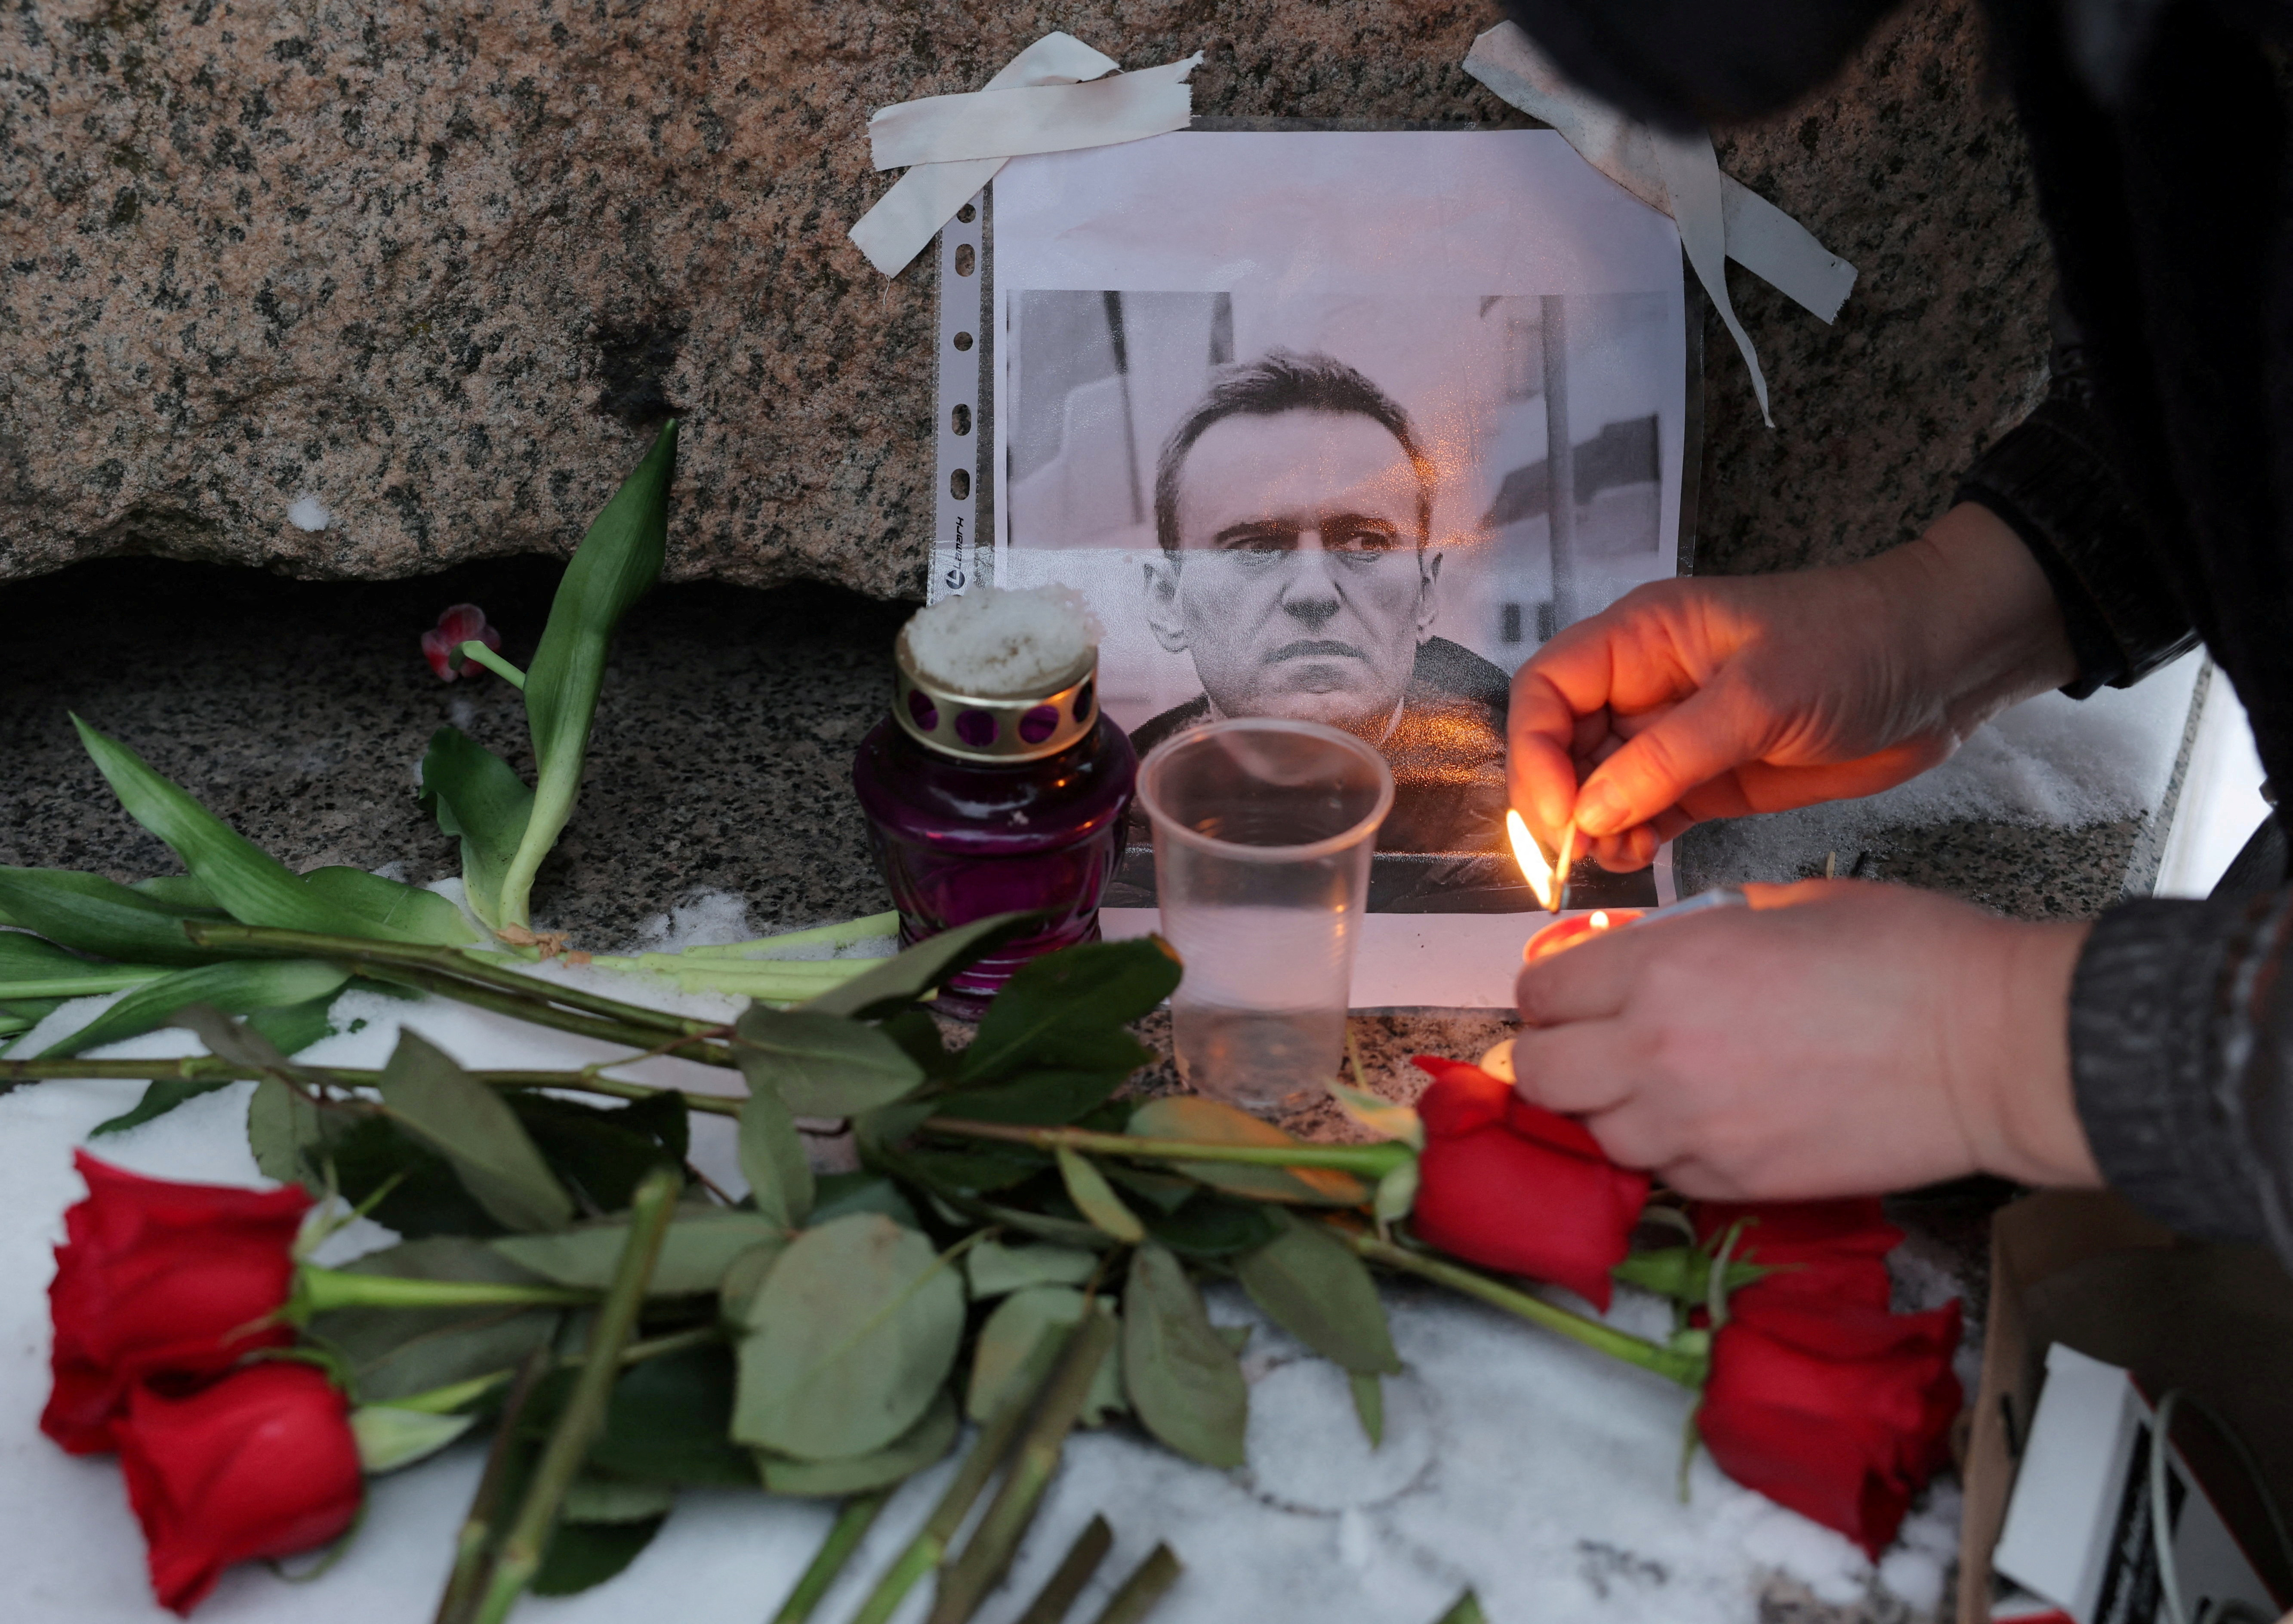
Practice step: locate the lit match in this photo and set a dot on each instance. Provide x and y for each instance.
(1547, 882)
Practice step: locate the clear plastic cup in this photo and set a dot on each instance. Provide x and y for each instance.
(1263, 830)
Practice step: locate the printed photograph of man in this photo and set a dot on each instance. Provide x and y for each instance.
(1295, 565)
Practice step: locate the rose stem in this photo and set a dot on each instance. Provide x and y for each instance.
(1371, 1162)
(1465, 1610)
(1686, 1369)
(321, 1291)
(923, 1552)
(584, 1415)
(1145, 1587)
(844, 1536)
(965, 1584)
(477, 1525)
(860, 929)
(1081, 1561)
(207, 1068)
(454, 964)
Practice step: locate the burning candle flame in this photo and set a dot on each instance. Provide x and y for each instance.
(1599, 920)
(1534, 868)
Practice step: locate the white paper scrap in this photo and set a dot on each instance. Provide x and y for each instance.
(894, 232)
(1036, 119)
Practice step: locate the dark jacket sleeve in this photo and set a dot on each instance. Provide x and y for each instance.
(2182, 1058)
(2051, 478)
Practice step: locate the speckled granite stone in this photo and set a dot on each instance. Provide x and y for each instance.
(444, 267)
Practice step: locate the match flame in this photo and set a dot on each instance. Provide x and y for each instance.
(1534, 868)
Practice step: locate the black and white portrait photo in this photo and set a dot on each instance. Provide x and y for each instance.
(1340, 510)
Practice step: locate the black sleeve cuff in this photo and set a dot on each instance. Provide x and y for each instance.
(2049, 480)
(2180, 1030)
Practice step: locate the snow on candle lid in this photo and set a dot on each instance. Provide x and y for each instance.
(997, 642)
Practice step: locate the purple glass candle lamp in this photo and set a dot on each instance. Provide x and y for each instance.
(995, 804)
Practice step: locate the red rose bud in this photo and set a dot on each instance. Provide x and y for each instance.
(1511, 1186)
(461, 624)
(261, 1464)
(1822, 1251)
(158, 1278)
(1840, 1413)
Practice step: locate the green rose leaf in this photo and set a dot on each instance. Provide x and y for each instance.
(396, 1352)
(822, 1065)
(772, 1160)
(667, 1420)
(995, 1268)
(696, 1253)
(1007, 1357)
(591, 1499)
(848, 1340)
(1066, 1010)
(436, 1100)
(477, 798)
(898, 982)
(581, 1555)
(1312, 1285)
(926, 1441)
(1087, 1188)
(1184, 1382)
(1043, 1099)
(1369, 1405)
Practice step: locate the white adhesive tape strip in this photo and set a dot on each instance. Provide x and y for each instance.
(1719, 218)
(894, 232)
(1038, 118)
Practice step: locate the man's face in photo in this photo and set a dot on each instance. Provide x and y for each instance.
(1300, 584)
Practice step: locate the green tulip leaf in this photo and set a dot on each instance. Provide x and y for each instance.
(253, 887)
(182, 892)
(100, 916)
(401, 911)
(478, 798)
(1312, 1285)
(238, 988)
(1185, 1384)
(1087, 1188)
(923, 1444)
(1066, 1010)
(772, 1160)
(617, 564)
(897, 982)
(848, 1340)
(996, 1269)
(439, 1103)
(1011, 1349)
(822, 1065)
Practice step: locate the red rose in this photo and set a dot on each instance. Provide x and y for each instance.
(261, 1464)
(1511, 1186)
(1823, 1252)
(156, 1279)
(461, 624)
(1841, 1413)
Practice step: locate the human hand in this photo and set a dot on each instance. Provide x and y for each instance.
(1717, 696)
(1837, 1038)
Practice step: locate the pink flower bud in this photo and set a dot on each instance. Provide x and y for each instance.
(461, 624)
